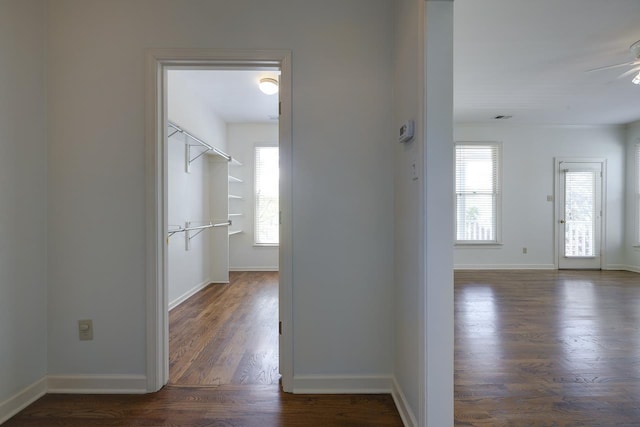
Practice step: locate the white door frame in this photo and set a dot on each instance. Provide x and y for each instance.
(157, 319)
(558, 210)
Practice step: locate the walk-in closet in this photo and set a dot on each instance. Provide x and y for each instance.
(222, 233)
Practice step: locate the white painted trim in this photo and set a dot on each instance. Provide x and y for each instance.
(406, 414)
(623, 267)
(634, 269)
(157, 324)
(97, 384)
(185, 296)
(22, 399)
(505, 267)
(254, 268)
(342, 384)
(557, 207)
(436, 340)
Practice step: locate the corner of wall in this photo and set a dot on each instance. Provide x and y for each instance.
(22, 399)
(404, 409)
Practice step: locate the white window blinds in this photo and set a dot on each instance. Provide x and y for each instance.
(477, 192)
(266, 196)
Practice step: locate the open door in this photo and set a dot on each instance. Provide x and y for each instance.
(159, 62)
(579, 214)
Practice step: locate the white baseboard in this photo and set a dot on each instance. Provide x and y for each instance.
(621, 267)
(182, 298)
(612, 267)
(22, 399)
(276, 268)
(504, 267)
(634, 269)
(97, 384)
(338, 384)
(407, 415)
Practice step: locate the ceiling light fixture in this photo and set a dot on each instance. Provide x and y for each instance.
(268, 85)
(636, 79)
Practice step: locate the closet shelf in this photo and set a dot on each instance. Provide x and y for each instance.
(236, 214)
(233, 233)
(232, 196)
(234, 179)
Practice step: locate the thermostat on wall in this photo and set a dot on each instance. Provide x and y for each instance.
(406, 131)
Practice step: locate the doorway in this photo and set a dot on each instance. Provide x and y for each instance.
(222, 325)
(159, 62)
(579, 213)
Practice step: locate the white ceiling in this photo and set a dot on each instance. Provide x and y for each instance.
(528, 58)
(233, 94)
(524, 58)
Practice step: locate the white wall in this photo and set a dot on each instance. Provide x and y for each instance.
(188, 193)
(528, 178)
(188, 201)
(438, 214)
(633, 253)
(192, 112)
(407, 105)
(242, 139)
(342, 199)
(423, 283)
(23, 210)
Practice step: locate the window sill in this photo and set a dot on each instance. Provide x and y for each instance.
(266, 245)
(478, 245)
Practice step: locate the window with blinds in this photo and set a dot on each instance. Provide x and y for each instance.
(637, 194)
(266, 196)
(477, 184)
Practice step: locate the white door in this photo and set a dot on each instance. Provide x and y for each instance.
(579, 213)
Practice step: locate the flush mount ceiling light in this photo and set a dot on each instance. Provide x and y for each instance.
(268, 85)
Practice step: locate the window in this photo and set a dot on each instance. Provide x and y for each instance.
(637, 171)
(266, 196)
(478, 195)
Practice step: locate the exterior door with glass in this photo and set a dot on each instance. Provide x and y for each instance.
(579, 214)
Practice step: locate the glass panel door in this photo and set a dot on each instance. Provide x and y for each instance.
(580, 216)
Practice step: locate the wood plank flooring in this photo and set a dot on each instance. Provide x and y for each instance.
(547, 348)
(532, 348)
(223, 373)
(227, 333)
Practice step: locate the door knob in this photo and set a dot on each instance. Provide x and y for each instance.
(562, 221)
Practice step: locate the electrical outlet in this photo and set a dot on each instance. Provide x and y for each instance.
(85, 329)
(524, 251)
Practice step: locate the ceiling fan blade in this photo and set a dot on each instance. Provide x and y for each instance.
(631, 71)
(607, 67)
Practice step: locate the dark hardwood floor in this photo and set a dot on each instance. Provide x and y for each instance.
(532, 348)
(227, 333)
(223, 373)
(547, 348)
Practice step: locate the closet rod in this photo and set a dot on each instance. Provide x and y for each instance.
(198, 140)
(199, 227)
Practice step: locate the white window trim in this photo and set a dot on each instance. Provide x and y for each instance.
(636, 195)
(484, 244)
(255, 203)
